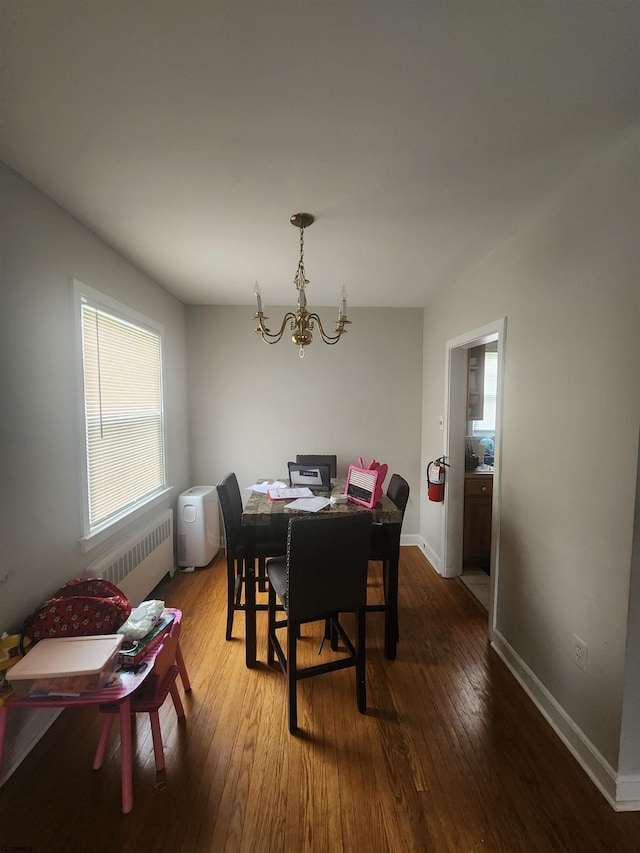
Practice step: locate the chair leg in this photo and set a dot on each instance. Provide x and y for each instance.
(104, 738)
(293, 630)
(239, 580)
(334, 631)
(262, 574)
(158, 750)
(231, 596)
(385, 569)
(361, 683)
(177, 702)
(235, 578)
(271, 621)
(326, 636)
(183, 669)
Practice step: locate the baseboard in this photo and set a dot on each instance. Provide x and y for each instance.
(628, 793)
(429, 554)
(621, 792)
(31, 725)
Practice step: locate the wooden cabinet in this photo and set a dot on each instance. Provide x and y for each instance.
(475, 383)
(478, 496)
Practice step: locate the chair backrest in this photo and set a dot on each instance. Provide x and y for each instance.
(167, 653)
(398, 491)
(327, 562)
(320, 459)
(153, 690)
(231, 506)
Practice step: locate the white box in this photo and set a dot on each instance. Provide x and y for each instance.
(66, 665)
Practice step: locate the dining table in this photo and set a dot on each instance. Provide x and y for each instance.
(261, 513)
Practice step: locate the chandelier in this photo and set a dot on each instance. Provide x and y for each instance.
(303, 323)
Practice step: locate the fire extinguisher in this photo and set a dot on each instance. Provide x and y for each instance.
(435, 479)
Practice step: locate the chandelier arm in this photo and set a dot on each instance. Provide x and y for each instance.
(339, 329)
(272, 337)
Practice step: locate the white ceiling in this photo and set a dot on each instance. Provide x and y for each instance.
(420, 134)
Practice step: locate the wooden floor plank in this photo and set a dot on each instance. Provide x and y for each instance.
(450, 756)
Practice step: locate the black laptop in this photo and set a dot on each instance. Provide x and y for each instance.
(316, 477)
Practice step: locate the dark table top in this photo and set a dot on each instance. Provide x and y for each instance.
(261, 511)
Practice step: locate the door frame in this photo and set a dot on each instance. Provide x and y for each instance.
(455, 396)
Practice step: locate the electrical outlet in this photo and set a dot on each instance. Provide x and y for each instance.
(580, 653)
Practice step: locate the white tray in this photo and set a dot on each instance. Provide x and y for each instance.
(63, 656)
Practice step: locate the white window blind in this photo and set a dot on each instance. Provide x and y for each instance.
(123, 407)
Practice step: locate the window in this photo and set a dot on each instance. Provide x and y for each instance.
(488, 423)
(122, 410)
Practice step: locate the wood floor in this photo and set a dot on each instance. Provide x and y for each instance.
(450, 756)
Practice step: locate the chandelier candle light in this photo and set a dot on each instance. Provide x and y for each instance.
(303, 322)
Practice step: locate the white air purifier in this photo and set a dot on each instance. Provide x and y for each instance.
(198, 526)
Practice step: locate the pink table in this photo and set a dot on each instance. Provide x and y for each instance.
(120, 695)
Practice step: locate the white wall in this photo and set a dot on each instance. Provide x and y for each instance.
(629, 760)
(252, 407)
(43, 248)
(568, 285)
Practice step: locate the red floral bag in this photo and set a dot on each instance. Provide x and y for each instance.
(81, 607)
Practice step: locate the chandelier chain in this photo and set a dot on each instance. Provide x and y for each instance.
(301, 277)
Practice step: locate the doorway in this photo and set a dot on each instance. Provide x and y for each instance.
(456, 408)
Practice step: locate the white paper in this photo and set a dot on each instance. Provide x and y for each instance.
(279, 494)
(309, 504)
(268, 484)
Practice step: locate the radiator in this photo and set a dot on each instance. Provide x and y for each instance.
(138, 564)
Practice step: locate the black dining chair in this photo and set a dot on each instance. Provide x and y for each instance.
(323, 575)
(398, 492)
(320, 459)
(265, 546)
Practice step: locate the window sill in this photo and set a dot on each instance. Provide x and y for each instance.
(101, 534)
